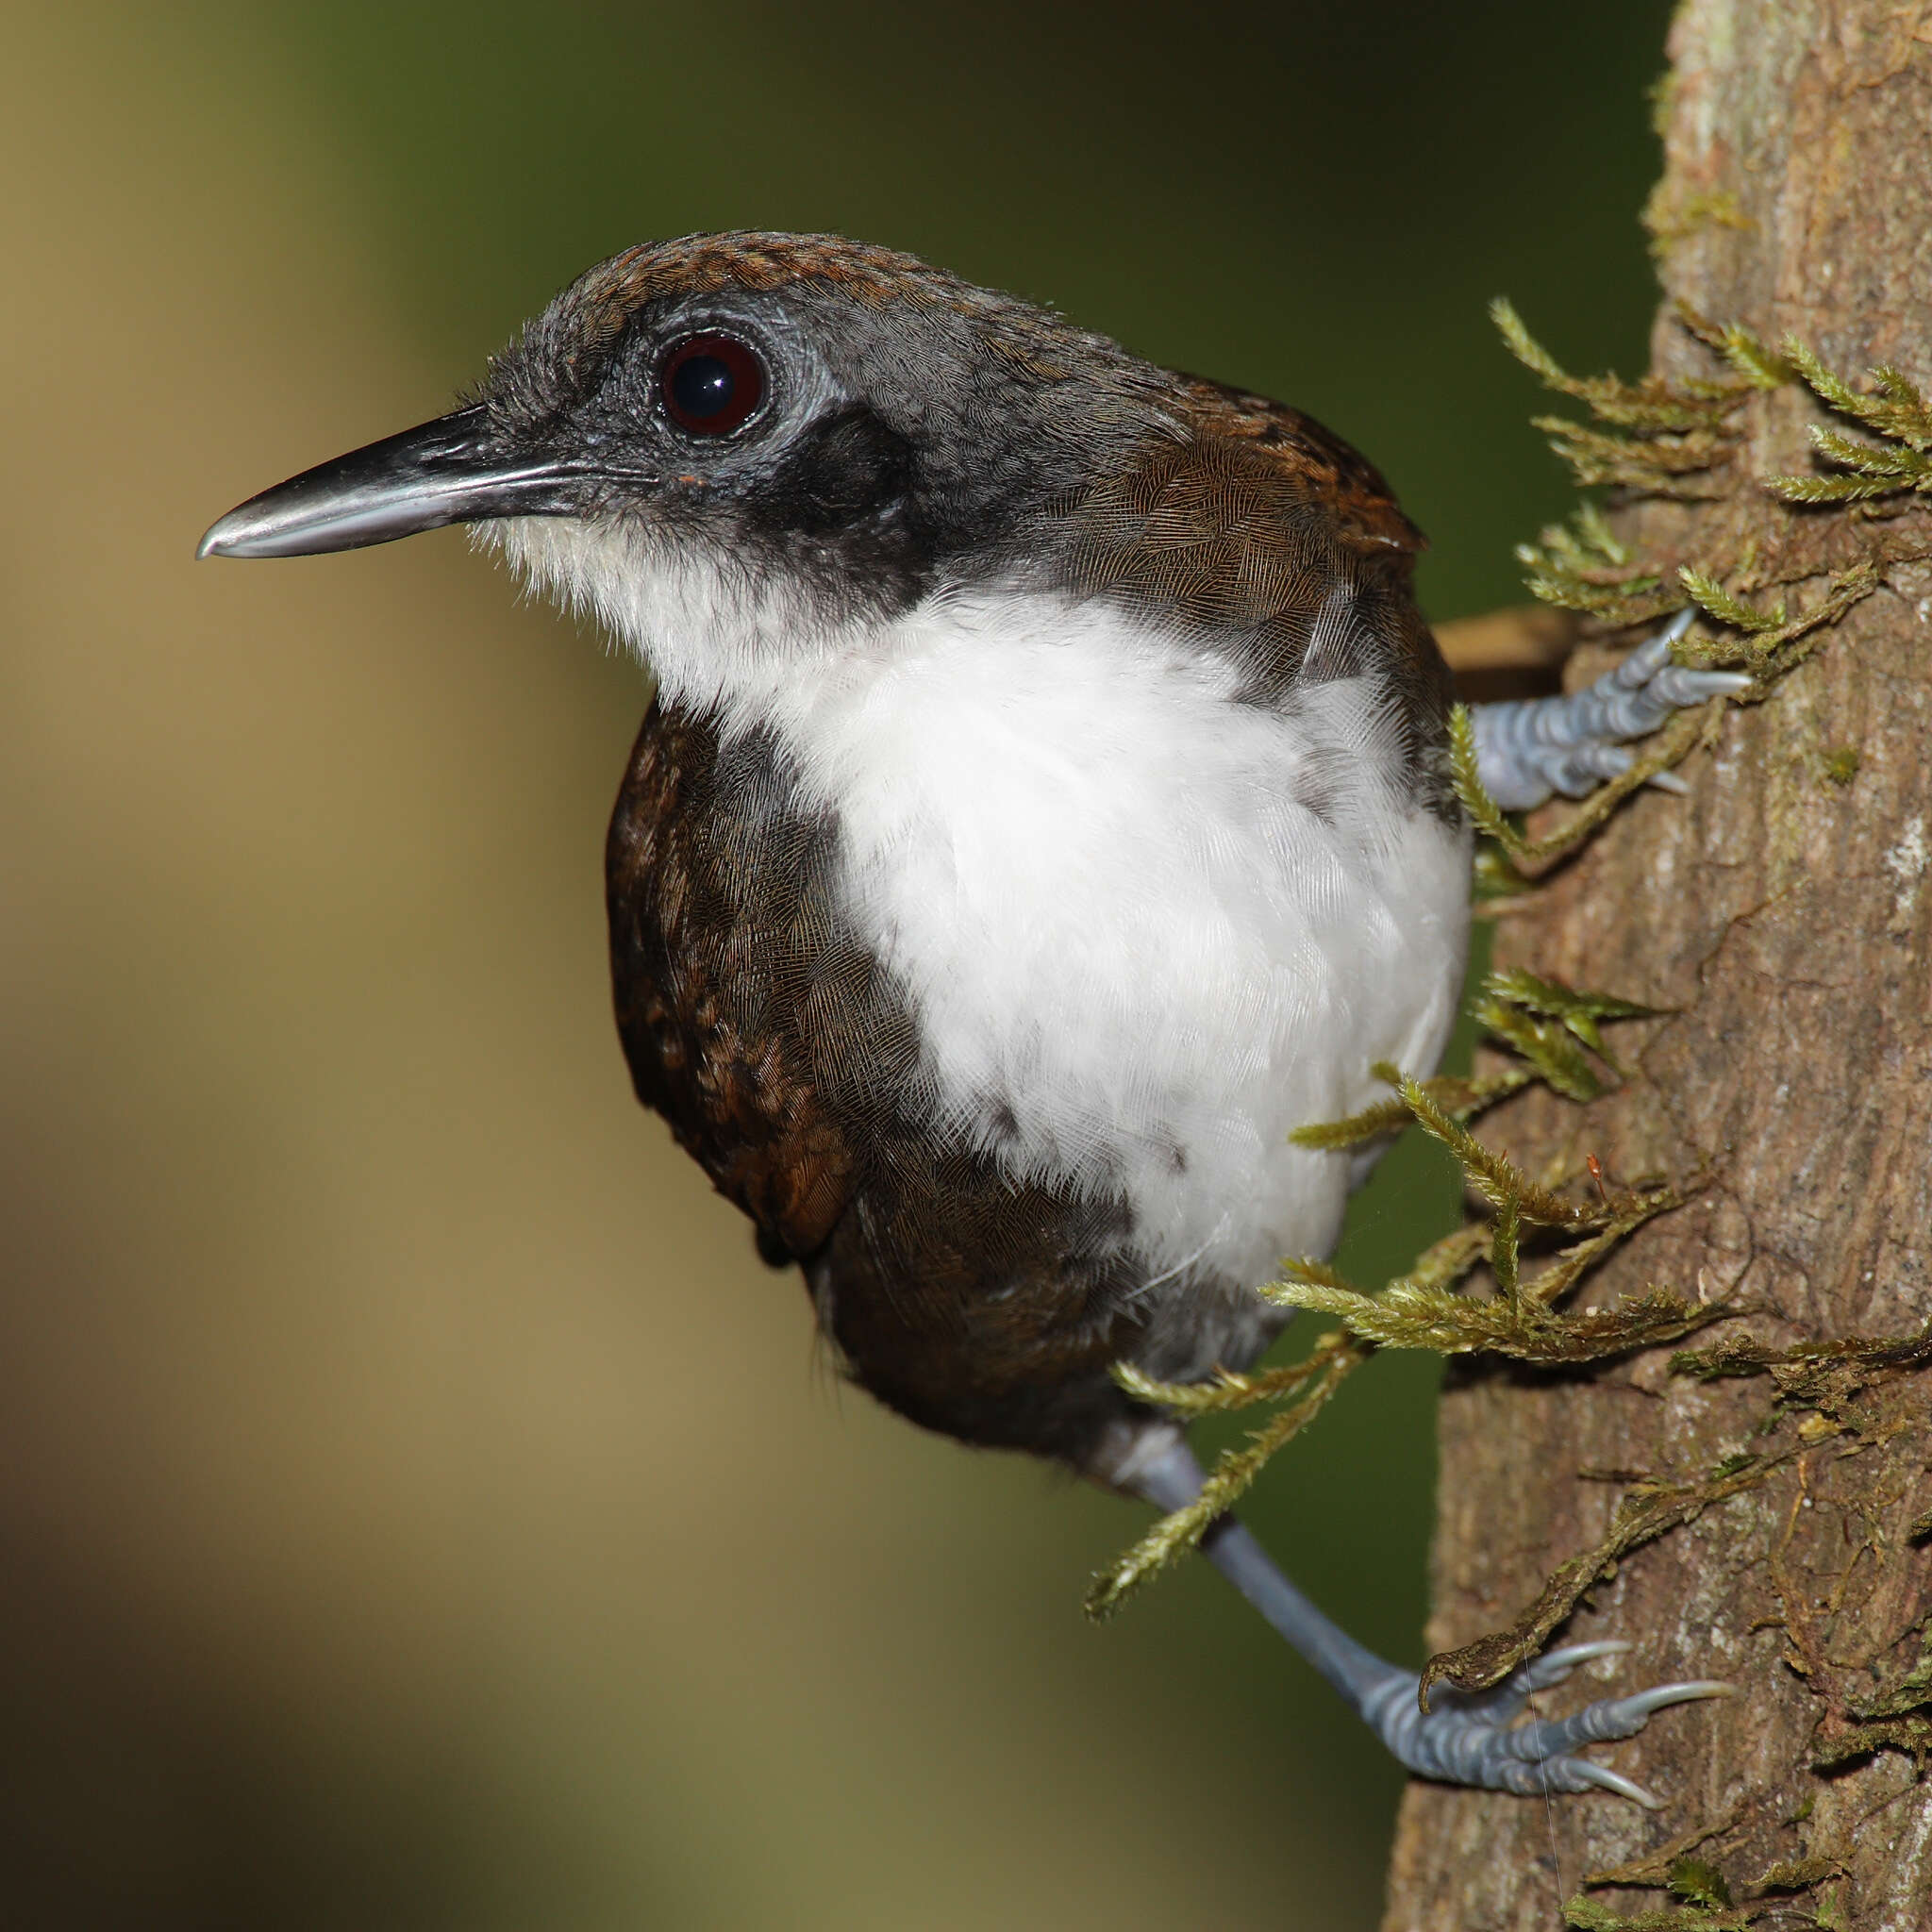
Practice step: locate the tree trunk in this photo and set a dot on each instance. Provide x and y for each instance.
(1785, 915)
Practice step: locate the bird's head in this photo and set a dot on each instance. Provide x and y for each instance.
(768, 436)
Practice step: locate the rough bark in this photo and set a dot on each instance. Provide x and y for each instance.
(1788, 918)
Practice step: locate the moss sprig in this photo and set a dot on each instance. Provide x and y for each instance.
(1308, 1385)
(1589, 1915)
(1539, 1020)
(1662, 439)
(1892, 408)
(1752, 359)
(1546, 1044)
(1425, 1308)
(1581, 565)
(1653, 1868)
(1769, 644)
(1715, 601)
(1822, 1376)
(1648, 406)
(1579, 1014)
(1462, 1099)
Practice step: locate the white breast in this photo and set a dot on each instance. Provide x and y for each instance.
(1138, 958)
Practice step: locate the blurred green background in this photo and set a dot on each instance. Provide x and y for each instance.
(417, 1506)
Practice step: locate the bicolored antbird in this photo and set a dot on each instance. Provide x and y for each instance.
(1044, 807)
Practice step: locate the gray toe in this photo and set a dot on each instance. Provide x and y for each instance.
(1678, 685)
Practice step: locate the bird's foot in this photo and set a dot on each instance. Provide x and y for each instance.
(1466, 1738)
(1533, 747)
(1472, 1738)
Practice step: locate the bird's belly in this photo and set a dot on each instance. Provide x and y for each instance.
(1161, 1045)
(1146, 932)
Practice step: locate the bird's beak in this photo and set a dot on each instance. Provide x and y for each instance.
(444, 472)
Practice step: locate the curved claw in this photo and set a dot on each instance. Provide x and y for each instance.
(1543, 1672)
(1529, 749)
(1636, 1710)
(1615, 1781)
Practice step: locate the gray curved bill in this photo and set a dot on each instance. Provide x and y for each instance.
(439, 472)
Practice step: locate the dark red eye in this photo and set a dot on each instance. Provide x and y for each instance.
(710, 384)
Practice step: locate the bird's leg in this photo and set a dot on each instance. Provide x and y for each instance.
(1464, 1739)
(1528, 749)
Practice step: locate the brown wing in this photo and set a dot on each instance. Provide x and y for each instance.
(1273, 543)
(715, 949)
(1367, 517)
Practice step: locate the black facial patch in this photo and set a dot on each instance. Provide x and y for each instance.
(845, 469)
(845, 490)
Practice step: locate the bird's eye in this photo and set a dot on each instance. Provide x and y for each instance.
(711, 384)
